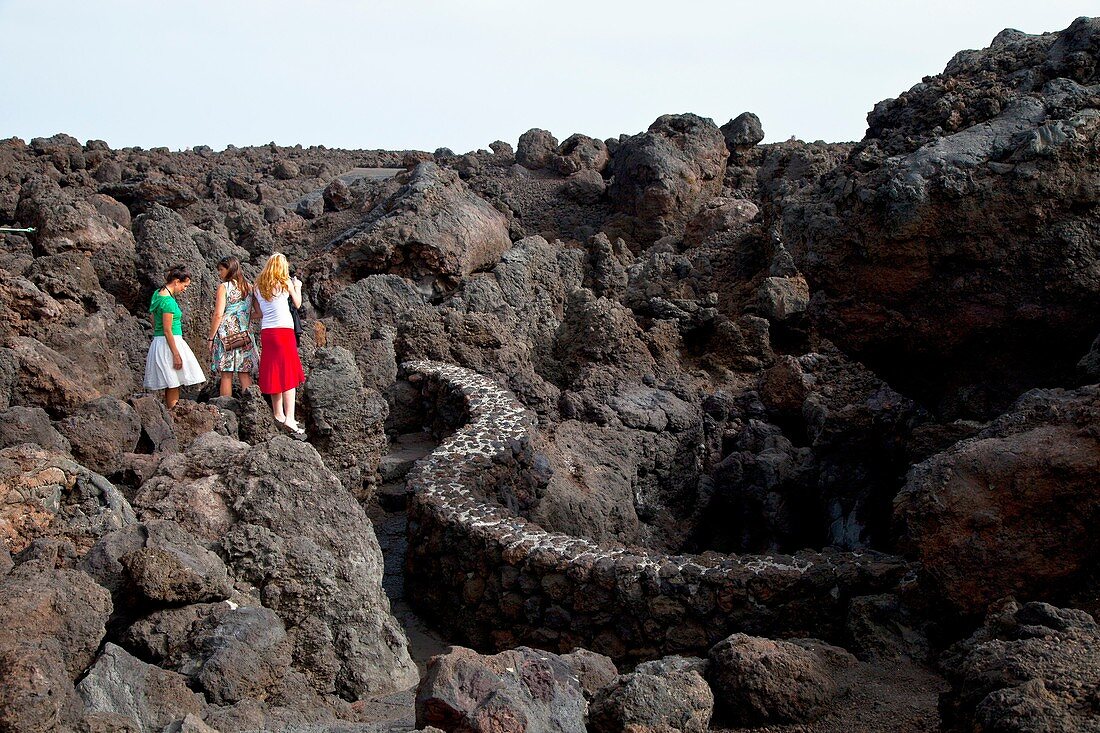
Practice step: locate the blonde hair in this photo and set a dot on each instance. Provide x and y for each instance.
(275, 277)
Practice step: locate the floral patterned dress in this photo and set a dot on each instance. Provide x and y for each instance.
(238, 307)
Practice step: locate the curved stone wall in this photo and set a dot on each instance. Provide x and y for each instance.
(492, 579)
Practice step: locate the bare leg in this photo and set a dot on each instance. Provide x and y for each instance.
(288, 405)
(245, 379)
(171, 397)
(225, 384)
(277, 407)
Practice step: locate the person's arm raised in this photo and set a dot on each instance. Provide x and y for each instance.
(296, 292)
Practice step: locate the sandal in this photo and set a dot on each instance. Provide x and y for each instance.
(295, 428)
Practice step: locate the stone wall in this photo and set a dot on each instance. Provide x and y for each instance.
(491, 579)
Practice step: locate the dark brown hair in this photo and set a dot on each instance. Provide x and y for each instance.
(177, 272)
(233, 272)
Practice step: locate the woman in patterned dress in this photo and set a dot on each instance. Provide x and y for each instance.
(232, 314)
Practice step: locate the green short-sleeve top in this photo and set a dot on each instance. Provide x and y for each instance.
(161, 304)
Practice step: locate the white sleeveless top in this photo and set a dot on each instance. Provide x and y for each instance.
(276, 312)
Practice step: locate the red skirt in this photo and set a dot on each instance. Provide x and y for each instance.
(280, 367)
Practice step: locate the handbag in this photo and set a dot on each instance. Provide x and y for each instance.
(296, 316)
(239, 340)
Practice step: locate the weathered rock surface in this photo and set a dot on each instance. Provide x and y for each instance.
(1030, 668)
(40, 604)
(676, 702)
(927, 254)
(1012, 510)
(151, 697)
(519, 689)
(759, 681)
(536, 149)
(347, 420)
(43, 493)
(231, 654)
(432, 227)
(664, 175)
(287, 526)
(100, 431)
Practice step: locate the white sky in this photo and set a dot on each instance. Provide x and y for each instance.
(462, 73)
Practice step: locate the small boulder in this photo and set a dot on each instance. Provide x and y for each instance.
(762, 681)
(584, 187)
(594, 671)
(520, 689)
(20, 425)
(580, 152)
(338, 195)
(100, 431)
(536, 149)
(640, 702)
(742, 132)
(781, 298)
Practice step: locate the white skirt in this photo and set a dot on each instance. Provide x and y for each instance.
(159, 373)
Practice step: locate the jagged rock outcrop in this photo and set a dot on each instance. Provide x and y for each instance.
(347, 420)
(431, 229)
(664, 175)
(51, 625)
(1029, 668)
(152, 698)
(929, 257)
(1011, 510)
(287, 526)
(46, 494)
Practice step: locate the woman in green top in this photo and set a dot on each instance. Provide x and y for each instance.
(170, 363)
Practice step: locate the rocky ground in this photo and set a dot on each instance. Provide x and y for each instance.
(725, 346)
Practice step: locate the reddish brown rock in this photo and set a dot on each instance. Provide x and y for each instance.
(518, 690)
(759, 681)
(1013, 510)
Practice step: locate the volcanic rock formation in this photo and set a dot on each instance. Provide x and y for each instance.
(685, 384)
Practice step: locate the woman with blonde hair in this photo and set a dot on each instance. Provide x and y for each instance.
(280, 368)
(232, 349)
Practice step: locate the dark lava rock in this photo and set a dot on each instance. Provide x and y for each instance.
(347, 419)
(44, 494)
(678, 701)
(1012, 510)
(743, 131)
(36, 692)
(100, 431)
(1030, 668)
(229, 653)
(584, 187)
(580, 152)
(930, 259)
(536, 149)
(664, 175)
(516, 690)
(39, 604)
(20, 425)
(160, 562)
(594, 671)
(286, 525)
(760, 681)
(152, 697)
(170, 566)
(433, 226)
